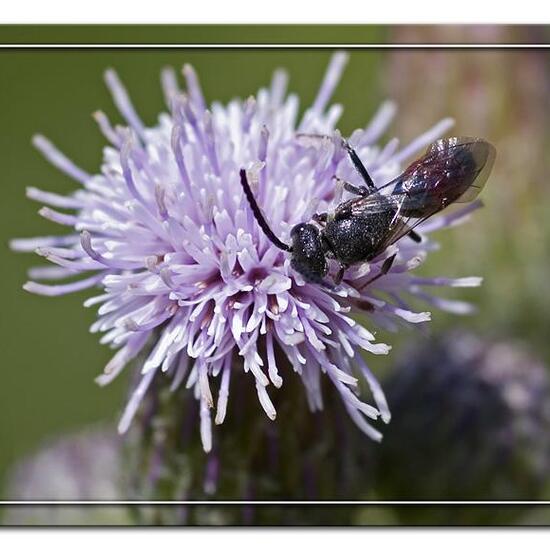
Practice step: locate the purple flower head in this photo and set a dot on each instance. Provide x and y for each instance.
(187, 276)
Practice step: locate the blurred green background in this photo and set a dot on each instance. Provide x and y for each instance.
(49, 359)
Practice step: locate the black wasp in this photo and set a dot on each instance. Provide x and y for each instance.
(360, 229)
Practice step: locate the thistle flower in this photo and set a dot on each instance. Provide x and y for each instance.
(474, 417)
(62, 469)
(82, 466)
(188, 279)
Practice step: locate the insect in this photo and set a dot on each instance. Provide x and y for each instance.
(360, 229)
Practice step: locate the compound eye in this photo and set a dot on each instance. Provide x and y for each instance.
(299, 229)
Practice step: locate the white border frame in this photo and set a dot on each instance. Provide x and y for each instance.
(282, 45)
(241, 46)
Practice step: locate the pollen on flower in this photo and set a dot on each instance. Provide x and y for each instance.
(186, 277)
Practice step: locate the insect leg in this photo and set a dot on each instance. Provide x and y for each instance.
(360, 167)
(340, 275)
(321, 218)
(386, 266)
(350, 188)
(414, 236)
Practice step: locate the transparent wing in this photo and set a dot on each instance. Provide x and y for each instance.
(402, 225)
(460, 163)
(402, 222)
(452, 170)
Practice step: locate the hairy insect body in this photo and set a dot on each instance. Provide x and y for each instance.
(360, 229)
(352, 239)
(309, 258)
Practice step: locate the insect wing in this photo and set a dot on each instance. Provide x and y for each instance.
(377, 203)
(469, 162)
(403, 224)
(395, 204)
(452, 170)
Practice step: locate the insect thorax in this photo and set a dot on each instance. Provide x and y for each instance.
(358, 238)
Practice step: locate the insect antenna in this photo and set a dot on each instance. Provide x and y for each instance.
(259, 216)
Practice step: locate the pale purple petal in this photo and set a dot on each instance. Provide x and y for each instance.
(123, 102)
